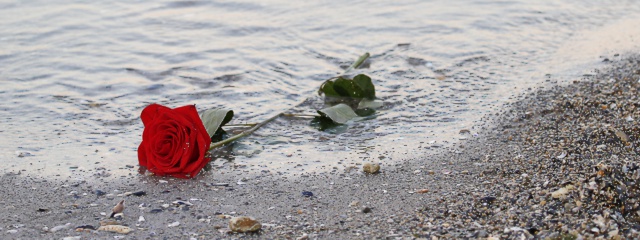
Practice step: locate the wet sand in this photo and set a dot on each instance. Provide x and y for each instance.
(558, 163)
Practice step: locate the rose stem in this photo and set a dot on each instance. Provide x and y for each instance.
(244, 133)
(299, 115)
(241, 125)
(356, 64)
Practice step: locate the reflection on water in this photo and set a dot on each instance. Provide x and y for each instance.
(74, 76)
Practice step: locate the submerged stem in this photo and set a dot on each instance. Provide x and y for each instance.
(243, 134)
(299, 115)
(241, 125)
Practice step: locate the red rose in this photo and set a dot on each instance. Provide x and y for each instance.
(174, 141)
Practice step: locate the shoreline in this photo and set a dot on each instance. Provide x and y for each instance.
(506, 183)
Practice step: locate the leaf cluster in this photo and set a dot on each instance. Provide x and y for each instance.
(358, 87)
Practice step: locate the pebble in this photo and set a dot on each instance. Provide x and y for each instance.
(244, 224)
(99, 192)
(371, 168)
(60, 227)
(561, 192)
(180, 202)
(116, 229)
(12, 231)
(163, 181)
(366, 210)
(72, 238)
(166, 205)
(141, 219)
(174, 224)
(85, 227)
(307, 194)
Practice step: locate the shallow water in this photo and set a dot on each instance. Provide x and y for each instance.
(74, 76)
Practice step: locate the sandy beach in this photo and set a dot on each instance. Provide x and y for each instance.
(560, 163)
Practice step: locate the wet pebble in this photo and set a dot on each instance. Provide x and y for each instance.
(180, 202)
(244, 224)
(85, 227)
(116, 229)
(72, 238)
(99, 192)
(60, 227)
(307, 194)
(155, 210)
(370, 168)
(366, 210)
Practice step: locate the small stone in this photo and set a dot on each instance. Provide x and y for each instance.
(116, 229)
(366, 210)
(244, 224)
(307, 194)
(163, 181)
(166, 205)
(60, 227)
(85, 228)
(180, 202)
(174, 224)
(303, 237)
(72, 238)
(561, 192)
(12, 231)
(423, 191)
(482, 234)
(155, 210)
(141, 219)
(354, 203)
(139, 193)
(99, 192)
(371, 168)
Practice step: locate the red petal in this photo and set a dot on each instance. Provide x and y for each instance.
(150, 112)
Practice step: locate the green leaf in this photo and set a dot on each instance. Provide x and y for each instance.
(340, 113)
(372, 104)
(213, 119)
(327, 89)
(366, 86)
(358, 87)
(347, 88)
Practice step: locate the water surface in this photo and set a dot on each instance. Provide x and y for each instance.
(74, 75)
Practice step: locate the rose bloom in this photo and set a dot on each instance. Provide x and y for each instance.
(174, 141)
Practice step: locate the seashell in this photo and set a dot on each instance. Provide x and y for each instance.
(116, 229)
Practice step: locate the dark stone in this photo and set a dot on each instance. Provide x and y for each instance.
(86, 227)
(307, 194)
(155, 210)
(139, 193)
(99, 192)
(366, 210)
